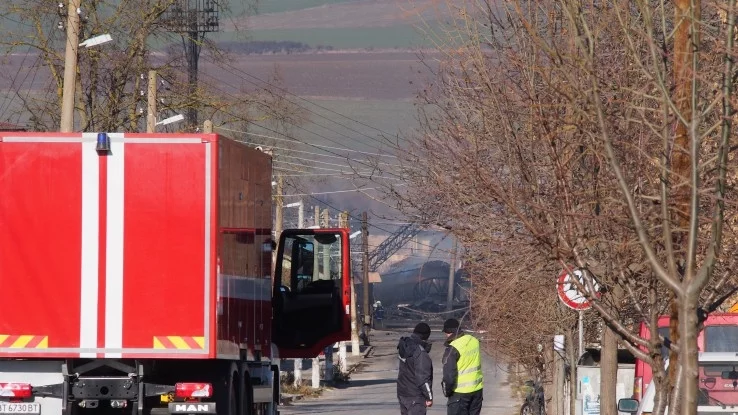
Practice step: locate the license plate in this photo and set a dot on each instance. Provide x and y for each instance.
(20, 408)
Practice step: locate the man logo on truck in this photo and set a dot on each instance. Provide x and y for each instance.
(189, 408)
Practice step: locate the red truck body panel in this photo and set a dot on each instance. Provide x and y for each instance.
(118, 255)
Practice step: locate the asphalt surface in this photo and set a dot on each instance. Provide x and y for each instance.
(372, 389)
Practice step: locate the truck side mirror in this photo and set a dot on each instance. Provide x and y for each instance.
(628, 405)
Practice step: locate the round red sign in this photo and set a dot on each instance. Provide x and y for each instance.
(568, 292)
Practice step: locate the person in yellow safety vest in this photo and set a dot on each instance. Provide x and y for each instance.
(462, 371)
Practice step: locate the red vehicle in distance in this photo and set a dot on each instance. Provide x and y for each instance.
(720, 334)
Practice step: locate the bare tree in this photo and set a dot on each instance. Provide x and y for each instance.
(111, 78)
(550, 126)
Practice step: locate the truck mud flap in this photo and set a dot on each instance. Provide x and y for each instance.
(192, 408)
(263, 394)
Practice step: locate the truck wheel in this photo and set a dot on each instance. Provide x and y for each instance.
(226, 397)
(233, 402)
(247, 393)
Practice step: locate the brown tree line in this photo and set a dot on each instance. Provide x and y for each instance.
(563, 134)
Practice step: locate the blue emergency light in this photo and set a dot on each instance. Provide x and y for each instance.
(103, 143)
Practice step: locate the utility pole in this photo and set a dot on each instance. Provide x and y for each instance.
(279, 205)
(192, 19)
(316, 263)
(365, 282)
(192, 52)
(451, 275)
(342, 344)
(301, 215)
(300, 224)
(355, 351)
(316, 360)
(151, 108)
(70, 67)
(325, 223)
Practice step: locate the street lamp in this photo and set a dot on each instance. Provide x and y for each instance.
(96, 40)
(171, 120)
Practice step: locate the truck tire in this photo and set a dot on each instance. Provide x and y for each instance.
(276, 393)
(226, 391)
(227, 402)
(246, 397)
(233, 400)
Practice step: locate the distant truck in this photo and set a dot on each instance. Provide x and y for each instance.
(136, 276)
(720, 334)
(717, 390)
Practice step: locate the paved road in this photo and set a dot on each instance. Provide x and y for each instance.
(372, 390)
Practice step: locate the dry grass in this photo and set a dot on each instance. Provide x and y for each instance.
(305, 390)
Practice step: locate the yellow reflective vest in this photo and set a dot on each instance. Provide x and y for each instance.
(469, 365)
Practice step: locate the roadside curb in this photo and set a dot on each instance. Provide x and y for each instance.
(368, 351)
(288, 398)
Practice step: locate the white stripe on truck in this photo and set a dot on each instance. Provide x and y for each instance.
(115, 255)
(208, 227)
(90, 247)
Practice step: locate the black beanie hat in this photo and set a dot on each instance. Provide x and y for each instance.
(451, 325)
(422, 330)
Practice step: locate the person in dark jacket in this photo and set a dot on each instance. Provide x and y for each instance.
(462, 371)
(415, 377)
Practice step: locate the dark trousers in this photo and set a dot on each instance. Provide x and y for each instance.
(412, 406)
(465, 403)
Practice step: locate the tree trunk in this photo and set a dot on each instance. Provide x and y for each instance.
(574, 359)
(608, 373)
(688, 353)
(686, 44)
(659, 379)
(674, 337)
(559, 379)
(549, 384)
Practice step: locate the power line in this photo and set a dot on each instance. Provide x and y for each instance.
(287, 92)
(294, 125)
(371, 224)
(284, 139)
(285, 148)
(334, 191)
(6, 17)
(291, 137)
(337, 175)
(311, 167)
(314, 161)
(16, 90)
(318, 147)
(374, 167)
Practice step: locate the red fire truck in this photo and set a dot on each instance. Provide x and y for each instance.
(136, 276)
(720, 334)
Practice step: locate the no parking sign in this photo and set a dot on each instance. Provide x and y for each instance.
(570, 294)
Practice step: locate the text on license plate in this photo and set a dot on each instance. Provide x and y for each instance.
(20, 408)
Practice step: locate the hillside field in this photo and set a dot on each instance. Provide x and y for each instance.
(355, 24)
